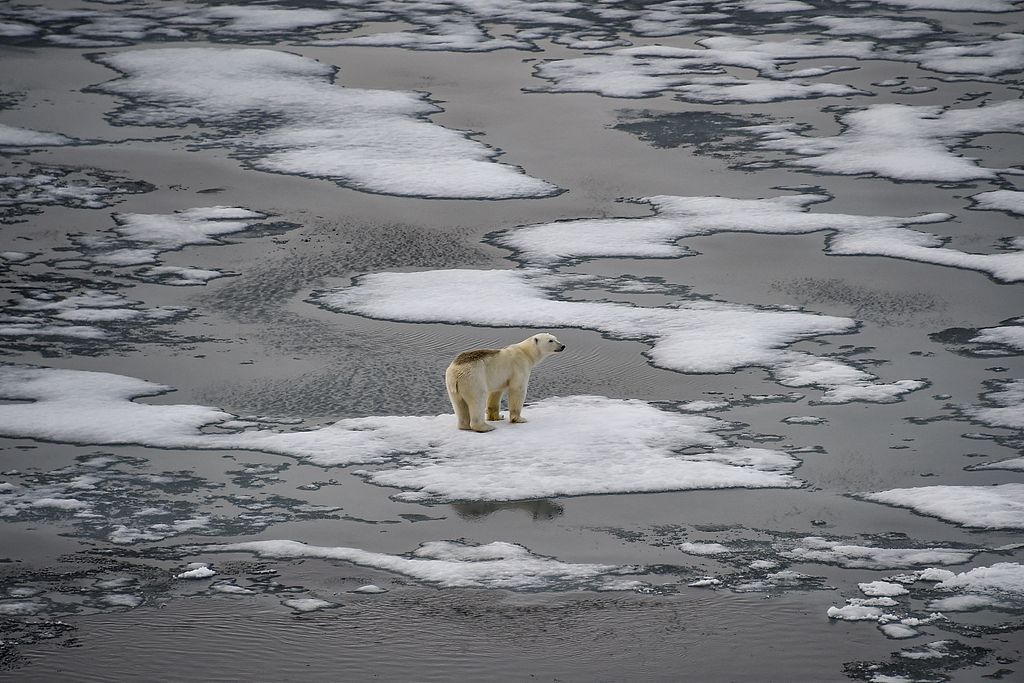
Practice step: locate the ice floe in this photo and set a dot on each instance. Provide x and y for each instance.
(1002, 405)
(1002, 579)
(826, 551)
(985, 507)
(12, 136)
(898, 141)
(370, 140)
(571, 446)
(687, 336)
(1010, 201)
(677, 218)
(697, 73)
(450, 564)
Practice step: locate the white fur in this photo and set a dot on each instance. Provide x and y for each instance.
(478, 384)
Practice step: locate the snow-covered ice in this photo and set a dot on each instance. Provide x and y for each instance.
(823, 550)
(370, 140)
(575, 445)
(450, 564)
(985, 507)
(688, 336)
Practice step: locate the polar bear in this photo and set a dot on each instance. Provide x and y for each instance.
(477, 379)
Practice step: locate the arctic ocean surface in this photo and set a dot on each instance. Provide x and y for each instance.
(781, 240)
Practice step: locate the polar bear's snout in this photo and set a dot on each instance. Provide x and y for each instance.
(560, 348)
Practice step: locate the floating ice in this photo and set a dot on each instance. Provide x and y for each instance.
(283, 113)
(650, 70)
(369, 589)
(855, 612)
(704, 548)
(688, 336)
(1003, 405)
(986, 58)
(875, 27)
(804, 420)
(1011, 201)
(572, 446)
(967, 603)
(197, 571)
(882, 589)
(677, 218)
(12, 136)
(450, 565)
(816, 549)
(308, 604)
(49, 188)
(985, 507)
(1013, 464)
(1003, 579)
(898, 141)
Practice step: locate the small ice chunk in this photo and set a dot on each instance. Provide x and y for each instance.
(369, 588)
(882, 588)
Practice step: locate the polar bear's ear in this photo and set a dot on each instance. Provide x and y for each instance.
(536, 340)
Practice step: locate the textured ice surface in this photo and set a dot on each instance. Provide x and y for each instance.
(688, 336)
(575, 445)
(1004, 579)
(12, 136)
(1011, 201)
(677, 218)
(898, 141)
(451, 565)
(816, 549)
(284, 113)
(1003, 405)
(986, 507)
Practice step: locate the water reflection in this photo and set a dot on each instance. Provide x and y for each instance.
(537, 509)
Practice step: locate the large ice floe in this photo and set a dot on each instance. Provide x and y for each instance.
(456, 565)
(574, 445)
(677, 218)
(899, 141)
(688, 336)
(845, 554)
(980, 507)
(284, 113)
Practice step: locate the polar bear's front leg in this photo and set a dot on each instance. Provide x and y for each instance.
(516, 397)
(494, 406)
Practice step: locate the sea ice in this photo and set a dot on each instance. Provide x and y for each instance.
(986, 507)
(12, 136)
(898, 141)
(816, 549)
(688, 336)
(1003, 579)
(308, 604)
(449, 564)
(370, 140)
(704, 548)
(882, 589)
(1011, 201)
(573, 446)
(1003, 405)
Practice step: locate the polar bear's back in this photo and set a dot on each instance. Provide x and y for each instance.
(475, 355)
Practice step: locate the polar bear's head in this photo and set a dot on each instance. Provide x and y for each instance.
(547, 343)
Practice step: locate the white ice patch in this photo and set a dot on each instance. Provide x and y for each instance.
(650, 70)
(816, 549)
(285, 114)
(967, 603)
(43, 188)
(1011, 201)
(1006, 335)
(677, 218)
(308, 604)
(898, 141)
(575, 445)
(688, 336)
(1012, 464)
(1003, 579)
(1003, 405)
(984, 507)
(572, 446)
(875, 27)
(704, 548)
(199, 572)
(451, 565)
(876, 589)
(12, 136)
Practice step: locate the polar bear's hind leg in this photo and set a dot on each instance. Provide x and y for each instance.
(494, 406)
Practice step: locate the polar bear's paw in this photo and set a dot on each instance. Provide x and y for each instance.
(482, 428)
(517, 420)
